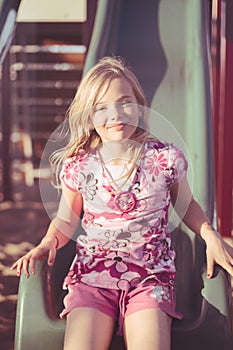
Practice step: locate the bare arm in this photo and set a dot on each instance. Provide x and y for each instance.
(217, 250)
(60, 231)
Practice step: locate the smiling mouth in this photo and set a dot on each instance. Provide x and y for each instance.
(116, 126)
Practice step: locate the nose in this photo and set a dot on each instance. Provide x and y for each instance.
(115, 111)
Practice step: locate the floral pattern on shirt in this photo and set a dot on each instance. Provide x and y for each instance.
(122, 249)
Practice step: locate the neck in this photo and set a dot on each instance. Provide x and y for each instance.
(115, 151)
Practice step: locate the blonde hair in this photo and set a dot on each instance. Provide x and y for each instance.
(82, 135)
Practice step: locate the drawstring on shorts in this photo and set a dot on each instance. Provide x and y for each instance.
(122, 309)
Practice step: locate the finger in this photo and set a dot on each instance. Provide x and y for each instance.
(25, 267)
(229, 269)
(210, 266)
(228, 266)
(18, 267)
(52, 256)
(33, 266)
(14, 266)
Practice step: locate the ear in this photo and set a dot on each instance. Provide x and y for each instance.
(140, 115)
(140, 112)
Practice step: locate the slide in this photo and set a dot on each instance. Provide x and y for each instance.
(166, 44)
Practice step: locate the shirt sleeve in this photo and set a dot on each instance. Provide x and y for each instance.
(69, 174)
(177, 164)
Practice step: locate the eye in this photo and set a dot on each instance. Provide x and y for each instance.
(100, 108)
(124, 103)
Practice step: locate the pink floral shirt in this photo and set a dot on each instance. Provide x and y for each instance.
(121, 249)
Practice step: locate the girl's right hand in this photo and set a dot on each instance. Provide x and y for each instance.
(47, 248)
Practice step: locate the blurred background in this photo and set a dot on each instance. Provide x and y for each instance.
(41, 66)
(39, 76)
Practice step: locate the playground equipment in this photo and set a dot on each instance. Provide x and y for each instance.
(166, 44)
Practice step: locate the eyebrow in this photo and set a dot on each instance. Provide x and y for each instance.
(118, 100)
(123, 97)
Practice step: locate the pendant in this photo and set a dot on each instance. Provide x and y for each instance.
(125, 201)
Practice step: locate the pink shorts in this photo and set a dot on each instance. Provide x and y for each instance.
(119, 304)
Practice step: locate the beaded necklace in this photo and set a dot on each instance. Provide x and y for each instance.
(125, 201)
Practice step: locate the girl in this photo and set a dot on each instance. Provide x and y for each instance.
(123, 180)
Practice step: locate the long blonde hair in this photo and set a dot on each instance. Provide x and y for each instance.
(82, 135)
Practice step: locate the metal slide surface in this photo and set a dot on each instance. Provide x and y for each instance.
(165, 43)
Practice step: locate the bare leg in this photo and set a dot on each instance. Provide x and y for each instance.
(148, 329)
(88, 329)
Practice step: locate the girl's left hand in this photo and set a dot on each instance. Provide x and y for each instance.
(218, 252)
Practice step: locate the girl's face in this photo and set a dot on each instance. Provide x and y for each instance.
(116, 114)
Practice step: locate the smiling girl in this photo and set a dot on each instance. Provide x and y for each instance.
(124, 181)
